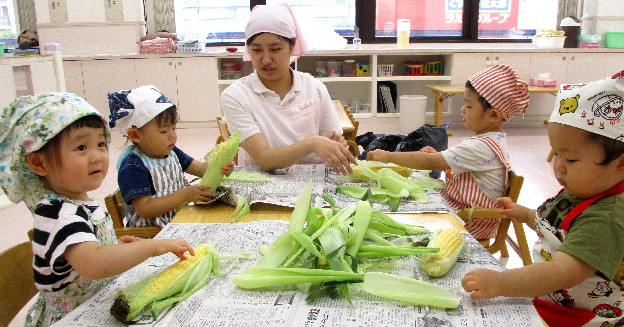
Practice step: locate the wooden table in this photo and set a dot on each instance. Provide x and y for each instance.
(441, 91)
(219, 213)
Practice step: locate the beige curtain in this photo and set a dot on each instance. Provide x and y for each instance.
(26, 17)
(164, 17)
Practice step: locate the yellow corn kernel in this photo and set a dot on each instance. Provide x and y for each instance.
(175, 270)
(448, 241)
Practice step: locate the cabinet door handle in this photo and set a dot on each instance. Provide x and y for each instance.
(563, 58)
(487, 58)
(179, 63)
(496, 58)
(170, 63)
(572, 58)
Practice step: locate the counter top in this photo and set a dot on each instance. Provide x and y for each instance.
(371, 49)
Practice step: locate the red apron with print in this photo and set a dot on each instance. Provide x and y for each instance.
(463, 192)
(593, 302)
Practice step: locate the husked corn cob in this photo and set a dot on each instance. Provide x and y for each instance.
(178, 281)
(450, 242)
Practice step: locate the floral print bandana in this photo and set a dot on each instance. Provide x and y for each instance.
(26, 125)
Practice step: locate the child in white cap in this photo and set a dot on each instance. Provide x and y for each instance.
(577, 275)
(151, 171)
(476, 167)
(53, 150)
(286, 117)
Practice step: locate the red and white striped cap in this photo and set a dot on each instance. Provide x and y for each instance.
(503, 88)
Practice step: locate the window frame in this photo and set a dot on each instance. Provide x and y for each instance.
(365, 20)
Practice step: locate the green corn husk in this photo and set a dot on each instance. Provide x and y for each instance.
(218, 157)
(174, 284)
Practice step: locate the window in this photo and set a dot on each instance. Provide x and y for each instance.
(430, 20)
(8, 29)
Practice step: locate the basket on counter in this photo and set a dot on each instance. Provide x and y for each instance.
(191, 47)
(159, 45)
(385, 70)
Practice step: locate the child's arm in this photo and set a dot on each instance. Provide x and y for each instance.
(414, 159)
(563, 271)
(93, 261)
(149, 207)
(517, 212)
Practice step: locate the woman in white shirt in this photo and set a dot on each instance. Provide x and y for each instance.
(285, 116)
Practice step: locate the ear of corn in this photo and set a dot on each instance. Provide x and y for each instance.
(178, 281)
(220, 155)
(362, 174)
(450, 242)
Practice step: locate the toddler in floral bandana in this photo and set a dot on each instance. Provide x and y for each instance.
(54, 150)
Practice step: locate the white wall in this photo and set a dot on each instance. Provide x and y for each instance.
(81, 11)
(600, 16)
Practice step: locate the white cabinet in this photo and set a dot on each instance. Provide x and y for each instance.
(190, 82)
(104, 76)
(28, 75)
(464, 65)
(75, 82)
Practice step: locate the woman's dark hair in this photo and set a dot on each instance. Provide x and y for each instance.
(51, 149)
(613, 148)
(168, 116)
(289, 40)
(486, 105)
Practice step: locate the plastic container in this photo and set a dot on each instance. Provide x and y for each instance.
(615, 39)
(231, 70)
(321, 69)
(385, 70)
(362, 69)
(403, 33)
(413, 110)
(334, 68)
(549, 41)
(412, 68)
(435, 67)
(348, 68)
(1, 49)
(589, 41)
(572, 28)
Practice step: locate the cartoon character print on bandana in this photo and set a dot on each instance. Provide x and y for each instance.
(568, 105)
(608, 107)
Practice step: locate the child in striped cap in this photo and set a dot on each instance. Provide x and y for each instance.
(476, 167)
(577, 275)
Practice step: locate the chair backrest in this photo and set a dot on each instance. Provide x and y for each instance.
(116, 207)
(514, 184)
(17, 284)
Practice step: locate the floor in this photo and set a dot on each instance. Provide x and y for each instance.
(528, 148)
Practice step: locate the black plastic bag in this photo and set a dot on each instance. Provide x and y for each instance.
(426, 135)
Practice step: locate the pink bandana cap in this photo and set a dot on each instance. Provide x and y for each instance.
(277, 19)
(596, 107)
(503, 88)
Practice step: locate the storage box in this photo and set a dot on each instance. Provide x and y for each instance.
(615, 39)
(191, 47)
(549, 41)
(385, 70)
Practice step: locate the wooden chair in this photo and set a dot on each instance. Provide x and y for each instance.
(117, 209)
(17, 283)
(519, 245)
(350, 136)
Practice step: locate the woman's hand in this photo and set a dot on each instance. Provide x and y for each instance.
(334, 153)
(335, 136)
(228, 169)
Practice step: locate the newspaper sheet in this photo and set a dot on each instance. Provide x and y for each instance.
(221, 303)
(287, 183)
